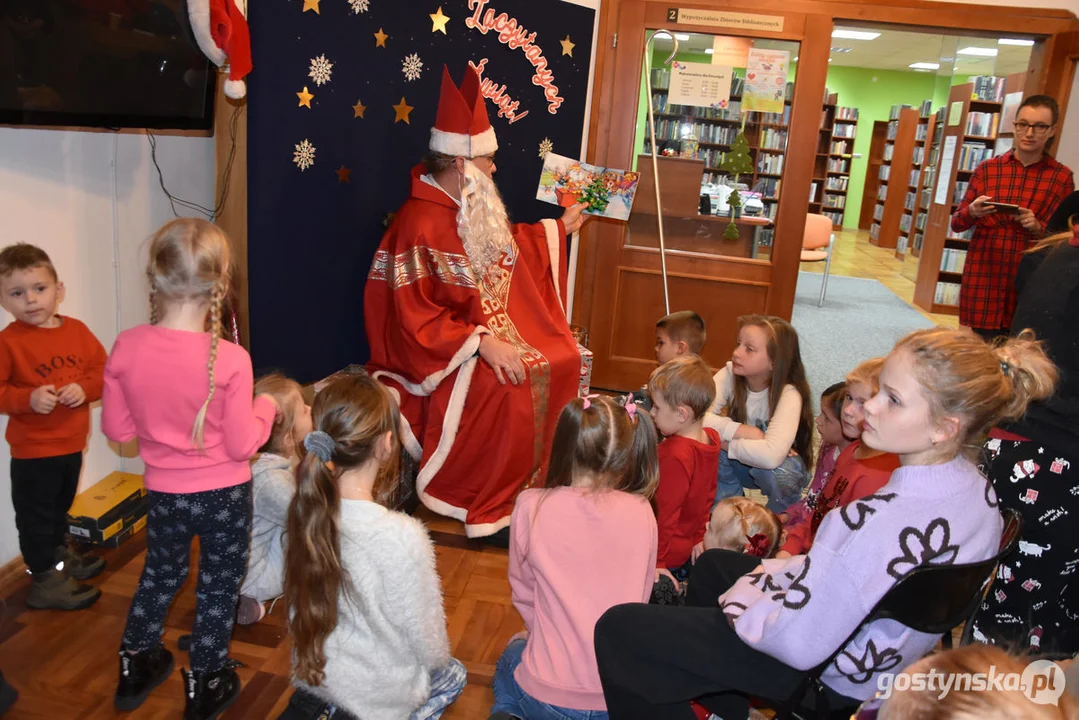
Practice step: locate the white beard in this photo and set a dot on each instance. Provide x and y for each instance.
(482, 222)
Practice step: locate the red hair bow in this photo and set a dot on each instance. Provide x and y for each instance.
(758, 545)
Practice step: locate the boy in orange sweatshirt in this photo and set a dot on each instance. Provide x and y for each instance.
(51, 368)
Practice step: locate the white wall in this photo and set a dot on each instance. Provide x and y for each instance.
(58, 191)
(1068, 142)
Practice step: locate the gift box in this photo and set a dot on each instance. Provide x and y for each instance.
(107, 508)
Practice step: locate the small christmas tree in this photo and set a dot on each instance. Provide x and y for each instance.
(736, 162)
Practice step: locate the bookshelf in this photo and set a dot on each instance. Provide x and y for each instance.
(929, 174)
(971, 130)
(831, 170)
(715, 130)
(893, 214)
(924, 163)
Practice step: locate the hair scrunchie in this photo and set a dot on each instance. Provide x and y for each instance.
(319, 443)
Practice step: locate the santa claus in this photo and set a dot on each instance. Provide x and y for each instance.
(466, 323)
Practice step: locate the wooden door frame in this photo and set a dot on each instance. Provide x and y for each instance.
(1051, 70)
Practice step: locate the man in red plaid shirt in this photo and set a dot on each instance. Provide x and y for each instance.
(1023, 176)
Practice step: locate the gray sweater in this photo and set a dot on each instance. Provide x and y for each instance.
(391, 632)
(273, 487)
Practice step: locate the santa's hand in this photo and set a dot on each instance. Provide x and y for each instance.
(503, 358)
(573, 218)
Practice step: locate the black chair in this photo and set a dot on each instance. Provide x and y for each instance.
(930, 599)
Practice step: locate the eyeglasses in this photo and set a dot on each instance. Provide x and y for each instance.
(1038, 128)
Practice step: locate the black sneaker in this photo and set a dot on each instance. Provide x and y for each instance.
(207, 695)
(140, 673)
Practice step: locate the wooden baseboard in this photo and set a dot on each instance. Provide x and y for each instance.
(11, 575)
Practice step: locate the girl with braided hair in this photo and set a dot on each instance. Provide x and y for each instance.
(186, 394)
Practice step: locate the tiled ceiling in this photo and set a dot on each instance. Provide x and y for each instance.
(897, 50)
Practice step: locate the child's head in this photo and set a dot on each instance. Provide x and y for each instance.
(288, 432)
(600, 443)
(767, 356)
(862, 384)
(682, 390)
(679, 333)
(828, 420)
(29, 287)
(355, 426)
(942, 390)
(912, 694)
(191, 263)
(742, 525)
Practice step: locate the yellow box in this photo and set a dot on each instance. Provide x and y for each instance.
(104, 509)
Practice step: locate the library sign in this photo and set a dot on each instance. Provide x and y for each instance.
(719, 18)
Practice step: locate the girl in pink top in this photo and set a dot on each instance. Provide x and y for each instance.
(602, 473)
(186, 395)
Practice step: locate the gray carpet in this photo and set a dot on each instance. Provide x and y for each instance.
(860, 319)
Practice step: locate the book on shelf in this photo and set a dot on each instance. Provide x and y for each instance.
(914, 177)
(889, 152)
(983, 124)
(783, 118)
(901, 244)
(773, 139)
(846, 113)
(988, 88)
(920, 221)
(840, 147)
(918, 239)
(893, 129)
(922, 132)
(878, 212)
(952, 260)
(927, 108)
(896, 109)
(917, 157)
(835, 217)
(874, 231)
(882, 193)
(960, 191)
(768, 187)
(813, 192)
(835, 201)
(838, 165)
(965, 235)
(971, 155)
(885, 172)
(908, 202)
(904, 223)
(770, 164)
(843, 131)
(836, 183)
(947, 293)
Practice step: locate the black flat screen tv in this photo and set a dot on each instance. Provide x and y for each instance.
(103, 63)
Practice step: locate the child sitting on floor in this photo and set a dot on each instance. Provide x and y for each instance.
(682, 391)
(832, 442)
(273, 486)
(860, 470)
(768, 431)
(744, 526)
(680, 333)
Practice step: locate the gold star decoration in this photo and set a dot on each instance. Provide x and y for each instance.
(311, 5)
(358, 109)
(567, 46)
(305, 98)
(438, 21)
(342, 175)
(402, 109)
(380, 38)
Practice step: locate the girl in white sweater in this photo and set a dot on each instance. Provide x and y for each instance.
(365, 605)
(763, 414)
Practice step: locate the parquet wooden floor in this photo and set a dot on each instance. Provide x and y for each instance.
(64, 664)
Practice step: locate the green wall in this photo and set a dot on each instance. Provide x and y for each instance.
(873, 92)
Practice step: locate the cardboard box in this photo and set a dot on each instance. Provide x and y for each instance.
(100, 511)
(124, 535)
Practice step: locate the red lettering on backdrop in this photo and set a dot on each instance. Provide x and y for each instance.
(507, 106)
(513, 36)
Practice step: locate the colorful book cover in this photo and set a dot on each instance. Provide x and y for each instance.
(609, 192)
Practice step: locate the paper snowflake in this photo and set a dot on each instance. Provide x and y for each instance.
(304, 157)
(321, 69)
(412, 67)
(545, 147)
(360, 6)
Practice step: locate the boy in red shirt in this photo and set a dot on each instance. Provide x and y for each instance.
(51, 367)
(682, 390)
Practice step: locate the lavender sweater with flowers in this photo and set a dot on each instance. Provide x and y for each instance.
(799, 609)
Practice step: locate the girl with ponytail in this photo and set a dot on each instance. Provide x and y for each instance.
(365, 607)
(186, 394)
(584, 542)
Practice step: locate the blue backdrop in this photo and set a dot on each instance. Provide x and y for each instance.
(332, 139)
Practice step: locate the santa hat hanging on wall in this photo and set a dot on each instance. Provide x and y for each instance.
(462, 128)
(221, 31)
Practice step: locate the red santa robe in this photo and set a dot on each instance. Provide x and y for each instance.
(478, 442)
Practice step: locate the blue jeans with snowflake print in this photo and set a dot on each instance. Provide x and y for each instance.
(222, 521)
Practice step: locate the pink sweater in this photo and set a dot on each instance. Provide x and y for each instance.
(155, 383)
(563, 578)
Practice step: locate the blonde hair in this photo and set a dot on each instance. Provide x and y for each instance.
(685, 380)
(978, 384)
(867, 373)
(281, 389)
(1052, 241)
(684, 326)
(737, 519)
(965, 704)
(355, 411)
(191, 260)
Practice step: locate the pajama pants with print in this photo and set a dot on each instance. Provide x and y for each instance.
(1033, 603)
(222, 521)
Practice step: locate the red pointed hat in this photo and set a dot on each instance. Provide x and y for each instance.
(462, 128)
